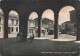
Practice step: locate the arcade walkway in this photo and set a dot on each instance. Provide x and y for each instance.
(39, 47)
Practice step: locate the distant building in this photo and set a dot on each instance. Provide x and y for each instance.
(69, 27)
(31, 27)
(73, 18)
(13, 25)
(1, 25)
(65, 27)
(46, 24)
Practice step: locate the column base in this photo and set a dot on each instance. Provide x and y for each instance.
(55, 38)
(39, 36)
(21, 37)
(77, 39)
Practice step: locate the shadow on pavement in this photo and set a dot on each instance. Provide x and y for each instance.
(42, 47)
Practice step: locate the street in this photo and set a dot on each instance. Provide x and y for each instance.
(60, 36)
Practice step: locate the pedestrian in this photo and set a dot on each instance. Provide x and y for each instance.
(32, 36)
(44, 33)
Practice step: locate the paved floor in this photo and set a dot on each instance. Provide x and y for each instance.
(61, 36)
(44, 46)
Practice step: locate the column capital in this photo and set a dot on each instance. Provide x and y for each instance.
(40, 12)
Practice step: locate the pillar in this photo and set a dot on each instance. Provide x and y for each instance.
(23, 24)
(5, 15)
(28, 28)
(78, 22)
(56, 25)
(39, 24)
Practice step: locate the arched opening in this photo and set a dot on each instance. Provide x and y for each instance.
(47, 27)
(13, 24)
(1, 24)
(67, 23)
(33, 25)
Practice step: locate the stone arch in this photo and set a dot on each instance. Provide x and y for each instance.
(66, 9)
(48, 25)
(65, 20)
(33, 15)
(50, 11)
(13, 23)
(1, 23)
(13, 12)
(33, 24)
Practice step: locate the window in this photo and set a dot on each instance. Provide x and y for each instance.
(74, 25)
(16, 22)
(8, 30)
(31, 30)
(12, 29)
(12, 21)
(16, 29)
(0, 28)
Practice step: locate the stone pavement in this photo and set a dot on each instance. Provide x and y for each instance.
(61, 37)
(43, 46)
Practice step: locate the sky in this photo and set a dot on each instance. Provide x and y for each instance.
(64, 14)
(13, 12)
(33, 15)
(46, 14)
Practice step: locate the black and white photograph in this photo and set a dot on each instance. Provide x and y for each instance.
(39, 27)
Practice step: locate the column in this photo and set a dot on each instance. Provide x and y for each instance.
(5, 15)
(78, 22)
(28, 28)
(39, 24)
(23, 21)
(56, 26)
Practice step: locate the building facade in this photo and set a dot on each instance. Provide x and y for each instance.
(73, 18)
(32, 28)
(13, 25)
(70, 27)
(47, 25)
(1, 25)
